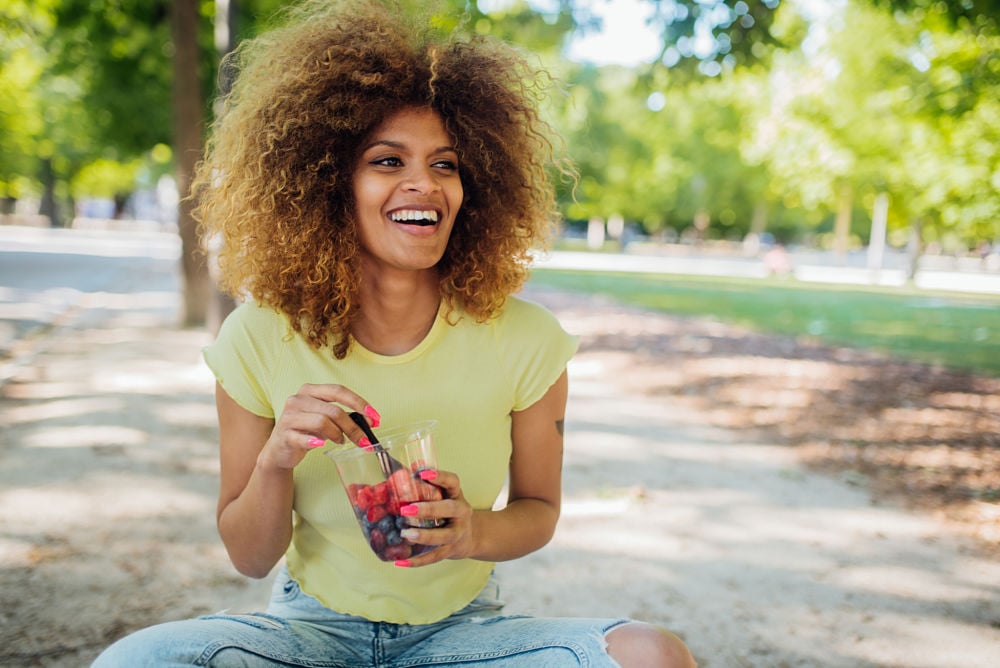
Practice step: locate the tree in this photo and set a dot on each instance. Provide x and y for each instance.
(188, 113)
(44, 129)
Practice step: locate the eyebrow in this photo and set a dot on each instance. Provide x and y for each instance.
(401, 147)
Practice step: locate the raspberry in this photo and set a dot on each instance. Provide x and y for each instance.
(364, 498)
(375, 513)
(352, 492)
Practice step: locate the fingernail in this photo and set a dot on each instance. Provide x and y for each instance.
(409, 510)
(428, 474)
(403, 563)
(373, 416)
(316, 442)
(363, 442)
(409, 534)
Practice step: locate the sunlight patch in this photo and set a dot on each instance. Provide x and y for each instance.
(86, 436)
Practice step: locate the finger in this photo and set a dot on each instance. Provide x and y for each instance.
(353, 402)
(307, 413)
(339, 394)
(446, 481)
(425, 559)
(428, 492)
(449, 512)
(345, 397)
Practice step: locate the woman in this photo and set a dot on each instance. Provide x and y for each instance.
(376, 189)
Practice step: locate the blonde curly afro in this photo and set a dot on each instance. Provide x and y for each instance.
(274, 189)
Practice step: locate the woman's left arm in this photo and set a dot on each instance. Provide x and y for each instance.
(529, 518)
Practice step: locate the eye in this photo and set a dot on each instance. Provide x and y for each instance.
(387, 161)
(448, 165)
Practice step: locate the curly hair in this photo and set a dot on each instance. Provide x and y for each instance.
(274, 188)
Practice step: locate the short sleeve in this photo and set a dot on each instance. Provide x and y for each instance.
(243, 356)
(535, 349)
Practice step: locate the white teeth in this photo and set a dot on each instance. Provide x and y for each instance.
(413, 214)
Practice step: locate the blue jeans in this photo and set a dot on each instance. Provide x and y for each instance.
(297, 630)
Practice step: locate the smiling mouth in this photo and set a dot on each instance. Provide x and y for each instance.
(417, 217)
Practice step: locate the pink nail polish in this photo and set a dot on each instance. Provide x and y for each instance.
(363, 442)
(408, 510)
(428, 474)
(316, 442)
(403, 563)
(373, 416)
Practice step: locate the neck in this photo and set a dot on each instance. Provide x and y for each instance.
(397, 310)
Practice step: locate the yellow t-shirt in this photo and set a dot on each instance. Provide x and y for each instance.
(467, 376)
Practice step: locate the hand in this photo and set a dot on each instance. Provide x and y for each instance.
(312, 416)
(454, 540)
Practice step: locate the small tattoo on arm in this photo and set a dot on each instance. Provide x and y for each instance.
(560, 426)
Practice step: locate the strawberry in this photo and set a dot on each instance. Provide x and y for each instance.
(404, 486)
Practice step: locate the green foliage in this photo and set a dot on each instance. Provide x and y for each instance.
(120, 52)
(105, 178)
(872, 102)
(21, 70)
(740, 32)
(895, 96)
(953, 330)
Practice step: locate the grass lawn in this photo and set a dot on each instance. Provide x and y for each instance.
(955, 330)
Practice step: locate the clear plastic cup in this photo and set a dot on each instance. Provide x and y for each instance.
(377, 497)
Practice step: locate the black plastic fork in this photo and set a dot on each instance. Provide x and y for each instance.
(388, 463)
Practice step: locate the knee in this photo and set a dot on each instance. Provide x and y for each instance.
(152, 646)
(640, 645)
(123, 652)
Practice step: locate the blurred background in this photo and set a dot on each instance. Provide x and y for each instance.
(802, 198)
(861, 132)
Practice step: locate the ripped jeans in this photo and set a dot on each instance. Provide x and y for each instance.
(297, 630)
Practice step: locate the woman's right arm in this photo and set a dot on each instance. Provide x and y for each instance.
(257, 457)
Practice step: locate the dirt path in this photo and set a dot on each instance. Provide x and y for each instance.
(107, 495)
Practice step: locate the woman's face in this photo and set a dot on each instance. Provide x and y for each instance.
(407, 190)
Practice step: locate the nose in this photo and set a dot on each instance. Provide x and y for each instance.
(422, 180)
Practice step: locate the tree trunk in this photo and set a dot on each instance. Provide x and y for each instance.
(226, 13)
(187, 151)
(48, 206)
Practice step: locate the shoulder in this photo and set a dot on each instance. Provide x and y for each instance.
(253, 324)
(520, 312)
(257, 318)
(524, 324)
